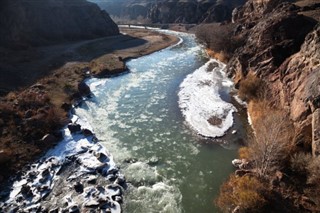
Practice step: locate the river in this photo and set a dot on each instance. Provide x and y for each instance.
(136, 116)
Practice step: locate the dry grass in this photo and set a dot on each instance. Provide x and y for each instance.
(221, 56)
(220, 38)
(244, 193)
(251, 87)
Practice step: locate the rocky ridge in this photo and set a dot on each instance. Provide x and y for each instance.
(193, 12)
(176, 11)
(26, 23)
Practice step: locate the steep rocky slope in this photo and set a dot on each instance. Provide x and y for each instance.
(26, 22)
(275, 32)
(277, 70)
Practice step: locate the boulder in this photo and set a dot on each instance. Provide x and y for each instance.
(74, 209)
(48, 139)
(73, 128)
(84, 89)
(26, 190)
(242, 172)
(87, 132)
(78, 187)
(239, 163)
(4, 157)
(66, 106)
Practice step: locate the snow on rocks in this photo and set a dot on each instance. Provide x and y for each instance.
(201, 99)
(76, 175)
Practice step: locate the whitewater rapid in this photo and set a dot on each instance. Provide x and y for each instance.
(140, 117)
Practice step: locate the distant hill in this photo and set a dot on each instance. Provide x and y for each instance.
(171, 11)
(29, 22)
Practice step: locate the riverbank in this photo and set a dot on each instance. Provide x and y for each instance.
(31, 118)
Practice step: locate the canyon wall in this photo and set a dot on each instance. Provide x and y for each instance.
(173, 11)
(26, 22)
(282, 48)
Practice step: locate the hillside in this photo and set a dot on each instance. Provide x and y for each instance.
(26, 25)
(26, 22)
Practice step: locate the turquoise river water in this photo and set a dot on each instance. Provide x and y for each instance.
(136, 116)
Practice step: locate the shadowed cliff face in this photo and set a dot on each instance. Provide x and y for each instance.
(282, 48)
(27, 22)
(172, 11)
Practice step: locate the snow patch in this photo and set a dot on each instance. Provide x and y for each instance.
(201, 101)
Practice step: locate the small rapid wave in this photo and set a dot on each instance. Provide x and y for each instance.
(201, 100)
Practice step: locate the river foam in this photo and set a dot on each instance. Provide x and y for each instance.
(201, 100)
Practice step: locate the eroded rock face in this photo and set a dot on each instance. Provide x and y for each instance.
(192, 11)
(25, 22)
(269, 42)
(299, 83)
(282, 48)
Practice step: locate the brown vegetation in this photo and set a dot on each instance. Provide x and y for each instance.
(272, 144)
(241, 193)
(290, 177)
(251, 87)
(220, 38)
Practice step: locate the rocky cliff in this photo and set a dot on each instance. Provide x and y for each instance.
(131, 9)
(173, 11)
(282, 48)
(192, 11)
(26, 22)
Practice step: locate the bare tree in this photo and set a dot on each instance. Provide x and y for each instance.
(272, 144)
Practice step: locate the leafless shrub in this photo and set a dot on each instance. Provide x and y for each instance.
(314, 171)
(219, 37)
(299, 162)
(244, 193)
(272, 143)
(251, 87)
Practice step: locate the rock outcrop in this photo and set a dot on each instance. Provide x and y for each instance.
(25, 22)
(279, 50)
